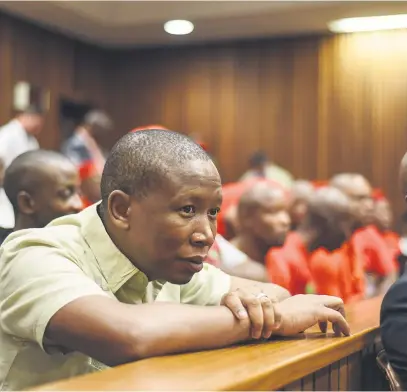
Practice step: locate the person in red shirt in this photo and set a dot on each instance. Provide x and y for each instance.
(327, 224)
(228, 224)
(263, 220)
(339, 272)
(368, 245)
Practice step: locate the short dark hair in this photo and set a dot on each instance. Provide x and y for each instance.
(97, 118)
(33, 109)
(258, 158)
(26, 173)
(140, 160)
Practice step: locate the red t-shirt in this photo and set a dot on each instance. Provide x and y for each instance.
(370, 246)
(339, 273)
(288, 266)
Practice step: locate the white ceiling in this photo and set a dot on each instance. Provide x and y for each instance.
(140, 23)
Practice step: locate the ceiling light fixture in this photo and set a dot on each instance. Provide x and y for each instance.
(370, 23)
(178, 27)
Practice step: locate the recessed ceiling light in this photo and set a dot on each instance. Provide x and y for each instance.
(370, 23)
(178, 27)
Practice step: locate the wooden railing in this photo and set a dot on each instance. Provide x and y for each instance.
(310, 361)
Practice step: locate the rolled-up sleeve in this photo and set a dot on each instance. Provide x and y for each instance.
(36, 282)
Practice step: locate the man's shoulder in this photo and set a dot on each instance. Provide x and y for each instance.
(62, 235)
(396, 296)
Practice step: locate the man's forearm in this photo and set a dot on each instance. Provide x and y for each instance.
(190, 328)
(114, 333)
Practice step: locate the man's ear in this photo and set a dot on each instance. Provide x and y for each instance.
(25, 202)
(118, 208)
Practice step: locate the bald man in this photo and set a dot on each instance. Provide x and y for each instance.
(41, 186)
(368, 246)
(87, 291)
(393, 318)
(300, 195)
(263, 220)
(327, 224)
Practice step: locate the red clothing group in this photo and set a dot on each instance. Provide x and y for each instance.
(340, 273)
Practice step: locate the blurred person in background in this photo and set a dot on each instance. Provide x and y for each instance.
(369, 247)
(228, 222)
(327, 224)
(231, 260)
(42, 186)
(6, 209)
(299, 197)
(263, 220)
(261, 167)
(17, 137)
(84, 150)
(383, 221)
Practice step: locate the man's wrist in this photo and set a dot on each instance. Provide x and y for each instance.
(278, 320)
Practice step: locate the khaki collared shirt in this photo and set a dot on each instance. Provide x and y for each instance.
(42, 270)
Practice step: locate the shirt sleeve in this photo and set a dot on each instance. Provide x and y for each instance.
(231, 257)
(206, 287)
(36, 282)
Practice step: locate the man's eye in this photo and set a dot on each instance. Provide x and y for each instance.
(188, 210)
(214, 212)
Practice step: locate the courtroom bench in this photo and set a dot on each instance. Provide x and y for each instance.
(310, 361)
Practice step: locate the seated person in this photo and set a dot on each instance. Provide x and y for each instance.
(368, 246)
(393, 317)
(231, 260)
(125, 279)
(338, 273)
(299, 197)
(41, 185)
(327, 225)
(263, 220)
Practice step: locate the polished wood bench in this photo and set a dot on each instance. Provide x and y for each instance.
(310, 361)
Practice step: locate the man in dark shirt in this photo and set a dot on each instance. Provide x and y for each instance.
(42, 186)
(393, 317)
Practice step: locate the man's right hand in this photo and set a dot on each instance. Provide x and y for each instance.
(300, 312)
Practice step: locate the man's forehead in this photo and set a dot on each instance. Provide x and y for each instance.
(192, 178)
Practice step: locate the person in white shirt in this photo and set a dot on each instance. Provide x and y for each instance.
(16, 137)
(231, 260)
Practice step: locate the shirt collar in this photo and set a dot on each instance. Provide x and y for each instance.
(115, 267)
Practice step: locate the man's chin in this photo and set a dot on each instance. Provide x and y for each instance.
(180, 280)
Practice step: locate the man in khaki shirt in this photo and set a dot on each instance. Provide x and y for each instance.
(126, 279)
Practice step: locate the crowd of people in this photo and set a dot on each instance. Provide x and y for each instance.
(328, 237)
(97, 243)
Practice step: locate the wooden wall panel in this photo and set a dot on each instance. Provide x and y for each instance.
(65, 67)
(237, 97)
(317, 105)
